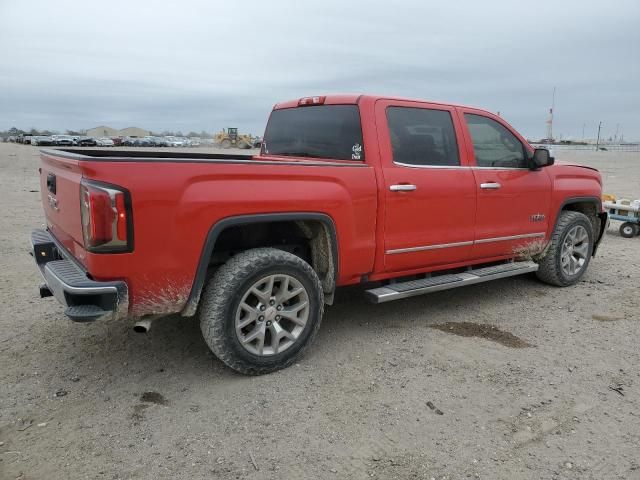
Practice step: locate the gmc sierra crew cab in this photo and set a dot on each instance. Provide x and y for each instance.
(404, 196)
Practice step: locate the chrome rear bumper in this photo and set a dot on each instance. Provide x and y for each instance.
(86, 300)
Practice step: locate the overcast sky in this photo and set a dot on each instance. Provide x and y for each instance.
(204, 65)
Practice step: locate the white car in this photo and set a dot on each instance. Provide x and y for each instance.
(175, 142)
(104, 142)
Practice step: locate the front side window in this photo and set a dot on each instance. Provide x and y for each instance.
(420, 136)
(493, 144)
(322, 131)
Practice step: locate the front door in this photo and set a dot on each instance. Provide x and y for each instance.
(513, 200)
(429, 190)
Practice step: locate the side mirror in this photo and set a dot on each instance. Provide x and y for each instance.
(541, 158)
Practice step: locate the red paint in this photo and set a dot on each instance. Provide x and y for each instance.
(175, 204)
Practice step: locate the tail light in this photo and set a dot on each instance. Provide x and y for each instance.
(107, 224)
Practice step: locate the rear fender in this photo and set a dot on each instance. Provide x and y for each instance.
(215, 231)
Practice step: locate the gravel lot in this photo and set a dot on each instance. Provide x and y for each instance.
(553, 391)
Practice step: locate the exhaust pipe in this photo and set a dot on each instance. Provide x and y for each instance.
(142, 326)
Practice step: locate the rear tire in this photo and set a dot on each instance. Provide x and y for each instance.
(569, 251)
(629, 230)
(226, 143)
(251, 316)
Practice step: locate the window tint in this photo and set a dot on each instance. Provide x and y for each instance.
(422, 137)
(493, 144)
(324, 131)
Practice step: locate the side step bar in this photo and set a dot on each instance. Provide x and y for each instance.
(411, 288)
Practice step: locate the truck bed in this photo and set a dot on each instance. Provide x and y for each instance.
(177, 198)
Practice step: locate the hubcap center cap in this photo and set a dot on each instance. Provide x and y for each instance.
(270, 313)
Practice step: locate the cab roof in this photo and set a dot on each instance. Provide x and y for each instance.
(354, 99)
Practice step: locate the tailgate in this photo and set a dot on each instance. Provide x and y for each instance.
(60, 186)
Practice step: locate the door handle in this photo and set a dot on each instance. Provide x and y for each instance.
(490, 186)
(403, 187)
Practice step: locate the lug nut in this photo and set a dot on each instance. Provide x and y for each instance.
(278, 317)
(263, 307)
(279, 307)
(261, 318)
(269, 323)
(272, 302)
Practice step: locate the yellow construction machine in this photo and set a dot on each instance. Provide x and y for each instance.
(229, 137)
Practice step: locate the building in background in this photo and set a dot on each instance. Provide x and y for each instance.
(104, 131)
(134, 132)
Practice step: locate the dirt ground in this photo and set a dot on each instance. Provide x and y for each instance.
(506, 380)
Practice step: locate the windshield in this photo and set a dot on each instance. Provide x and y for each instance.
(323, 131)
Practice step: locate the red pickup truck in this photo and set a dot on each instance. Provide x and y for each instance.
(405, 196)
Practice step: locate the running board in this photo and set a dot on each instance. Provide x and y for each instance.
(412, 288)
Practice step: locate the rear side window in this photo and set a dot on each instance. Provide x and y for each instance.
(323, 131)
(420, 136)
(493, 144)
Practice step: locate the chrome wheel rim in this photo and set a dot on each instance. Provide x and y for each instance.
(627, 229)
(272, 315)
(575, 249)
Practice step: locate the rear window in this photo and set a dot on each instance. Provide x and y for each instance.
(323, 131)
(420, 136)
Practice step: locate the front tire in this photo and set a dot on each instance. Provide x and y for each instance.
(261, 310)
(569, 252)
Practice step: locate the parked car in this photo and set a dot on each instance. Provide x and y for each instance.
(104, 142)
(128, 141)
(161, 142)
(63, 140)
(143, 142)
(175, 142)
(194, 141)
(117, 141)
(406, 197)
(86, 142)
(41, 140)
(25, 139)
(257, 142)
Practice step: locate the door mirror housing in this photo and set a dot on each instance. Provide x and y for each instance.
(541, 158)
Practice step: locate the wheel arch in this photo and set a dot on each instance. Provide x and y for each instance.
(328, 263)
(592, 208)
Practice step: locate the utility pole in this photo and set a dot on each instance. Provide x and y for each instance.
(583, 125)
(615, 138)
(598, 139)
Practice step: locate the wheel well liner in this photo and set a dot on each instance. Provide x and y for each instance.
(215, 231)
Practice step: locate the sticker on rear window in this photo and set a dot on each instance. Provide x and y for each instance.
(357, 152)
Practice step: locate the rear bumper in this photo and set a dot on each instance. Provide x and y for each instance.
(85, 300)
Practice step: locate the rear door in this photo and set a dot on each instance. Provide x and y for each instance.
(513, 201)
(429, 190)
